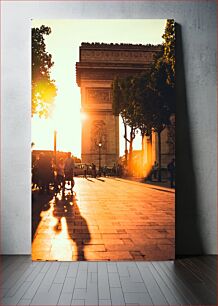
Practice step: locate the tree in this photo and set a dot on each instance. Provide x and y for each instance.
(43, 88)
(144, 100)
(169, 37)
(130, 112)
(124, 103)
(163, 84)
(117, 108)
(147, 101)
(169, 54)
(163, 70)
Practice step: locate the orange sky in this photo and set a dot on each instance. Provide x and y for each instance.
(63, 43)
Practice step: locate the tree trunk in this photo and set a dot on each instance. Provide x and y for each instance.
(143, 155)
(132, 136)
(149, 154)
(159, 156)
(125, 136)
(130, 156)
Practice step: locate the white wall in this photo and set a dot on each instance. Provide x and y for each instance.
(196, 202)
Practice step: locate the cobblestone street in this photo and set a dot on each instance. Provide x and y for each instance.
(106, 219)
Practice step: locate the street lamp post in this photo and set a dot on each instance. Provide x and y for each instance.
(99, 147)
(55, 147)
(149, 156)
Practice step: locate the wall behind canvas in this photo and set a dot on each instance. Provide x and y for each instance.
(196, 207)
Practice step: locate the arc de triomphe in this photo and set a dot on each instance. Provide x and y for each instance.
(97, 67)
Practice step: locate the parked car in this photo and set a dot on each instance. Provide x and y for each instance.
(80, 168)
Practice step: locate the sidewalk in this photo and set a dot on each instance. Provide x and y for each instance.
(164, 185)
(106, 219)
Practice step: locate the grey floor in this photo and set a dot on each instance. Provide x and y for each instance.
(187, 281)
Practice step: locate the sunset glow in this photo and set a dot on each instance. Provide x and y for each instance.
(63, 44)
(101, 188)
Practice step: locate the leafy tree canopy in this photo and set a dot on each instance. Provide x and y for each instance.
(163, 71)
(169, 37)
(147, 101)
(43, 88)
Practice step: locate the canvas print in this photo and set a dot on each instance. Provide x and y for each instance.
(103, 140)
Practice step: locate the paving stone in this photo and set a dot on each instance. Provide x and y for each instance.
(104, 302)
(72, 270)
(111, 221)
(69, 285)
(18, 295)
(65, 299)
(140, 298)
(79, 294)
(31, 291)
(91, 294)
(117, 297)
(153, 289)
(49, 277)
(61, 274)
(130, 286)
(181, 282)
(81, 279)
(24, 302)
(29, 275)
(78, 302)
(92, 267)
(48, 298)
(112, 267)
(114, 280)
(103, 282)
(134, 273)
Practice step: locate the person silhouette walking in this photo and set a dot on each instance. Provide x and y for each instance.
(69, 170)
(171, 169)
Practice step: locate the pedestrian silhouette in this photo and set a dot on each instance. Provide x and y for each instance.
(171, 169)
(45, 172)
(155, 170)
(93, 170)
(35, 173)
(69, 170)
(60, 180)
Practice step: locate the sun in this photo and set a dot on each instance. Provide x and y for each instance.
(66, 119)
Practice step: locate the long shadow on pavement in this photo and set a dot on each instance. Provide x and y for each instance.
(66, 206)
(101, 180)
(90, 180)
(40, 202)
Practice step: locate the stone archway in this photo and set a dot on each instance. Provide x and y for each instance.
(96, 69)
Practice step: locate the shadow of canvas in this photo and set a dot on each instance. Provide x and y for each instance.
(188, 228)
